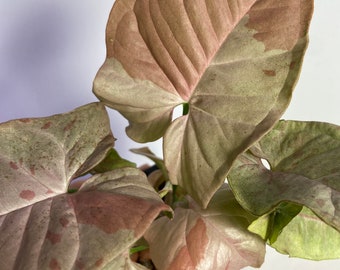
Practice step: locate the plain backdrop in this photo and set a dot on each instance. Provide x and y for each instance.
(50, 52)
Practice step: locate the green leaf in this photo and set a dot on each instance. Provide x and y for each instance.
(307, 236)
(271, 225)
(214, 238)
(44, 227)
(303, 170)
(111, 162)
(233, 63)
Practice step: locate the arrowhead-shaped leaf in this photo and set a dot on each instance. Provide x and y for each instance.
(303, 157)
(40, 156)
(42, 226)
(234, 63)
(214, 238)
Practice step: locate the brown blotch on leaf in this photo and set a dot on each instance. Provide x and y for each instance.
(13, 165)
(64, 221)
(70, 125)
(27, 195)
(99, 262)
(25, 120)
(32, 169)
(53, 237)
(271, 73)
(79, 264)
(292, 65)
(54, 264)
(320, 202)
(47, 125)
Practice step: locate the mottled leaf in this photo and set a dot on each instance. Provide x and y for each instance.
(42, 226)
(233, 63)
(92, 228)
(40, 156)
(304, 170)
(214, 238)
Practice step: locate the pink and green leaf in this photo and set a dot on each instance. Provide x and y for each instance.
(214, 238)
(234, 63)
(44, 227)
(302, 171)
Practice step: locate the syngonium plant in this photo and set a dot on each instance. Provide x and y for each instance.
(211, 203)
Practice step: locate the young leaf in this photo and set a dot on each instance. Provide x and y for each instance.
(112, 161)
(42, 226)
(233, 63)
(215, 238)
(40, 156)
(304, 170)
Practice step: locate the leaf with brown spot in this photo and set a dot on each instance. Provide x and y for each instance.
(215, 238)
(39, 163)
(44, 227)
(91, 228)
(234, 63)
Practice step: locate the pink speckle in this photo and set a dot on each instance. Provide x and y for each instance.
(53, 237)
(54, 265)
(46, 125)
(292, 65)
(99, 262)
(64, 221)
(25, 120)
(270, 73)
(49, 191)
(13, 165)
(27, 195)
(69, 125)
(32, 169)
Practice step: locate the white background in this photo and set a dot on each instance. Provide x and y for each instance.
(50, 52)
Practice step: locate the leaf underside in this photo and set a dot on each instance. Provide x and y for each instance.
(233, 62)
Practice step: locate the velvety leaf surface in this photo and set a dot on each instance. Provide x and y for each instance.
(233, 62)
(40, 156)
(304, 170)
(215, 238)
(90, 229)
(305, 236)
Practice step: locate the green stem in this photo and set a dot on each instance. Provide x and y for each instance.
(185, 108)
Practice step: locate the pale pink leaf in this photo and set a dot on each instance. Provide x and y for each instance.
(216, 238)
(234, 62)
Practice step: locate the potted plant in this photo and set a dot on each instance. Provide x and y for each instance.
(233, 177)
